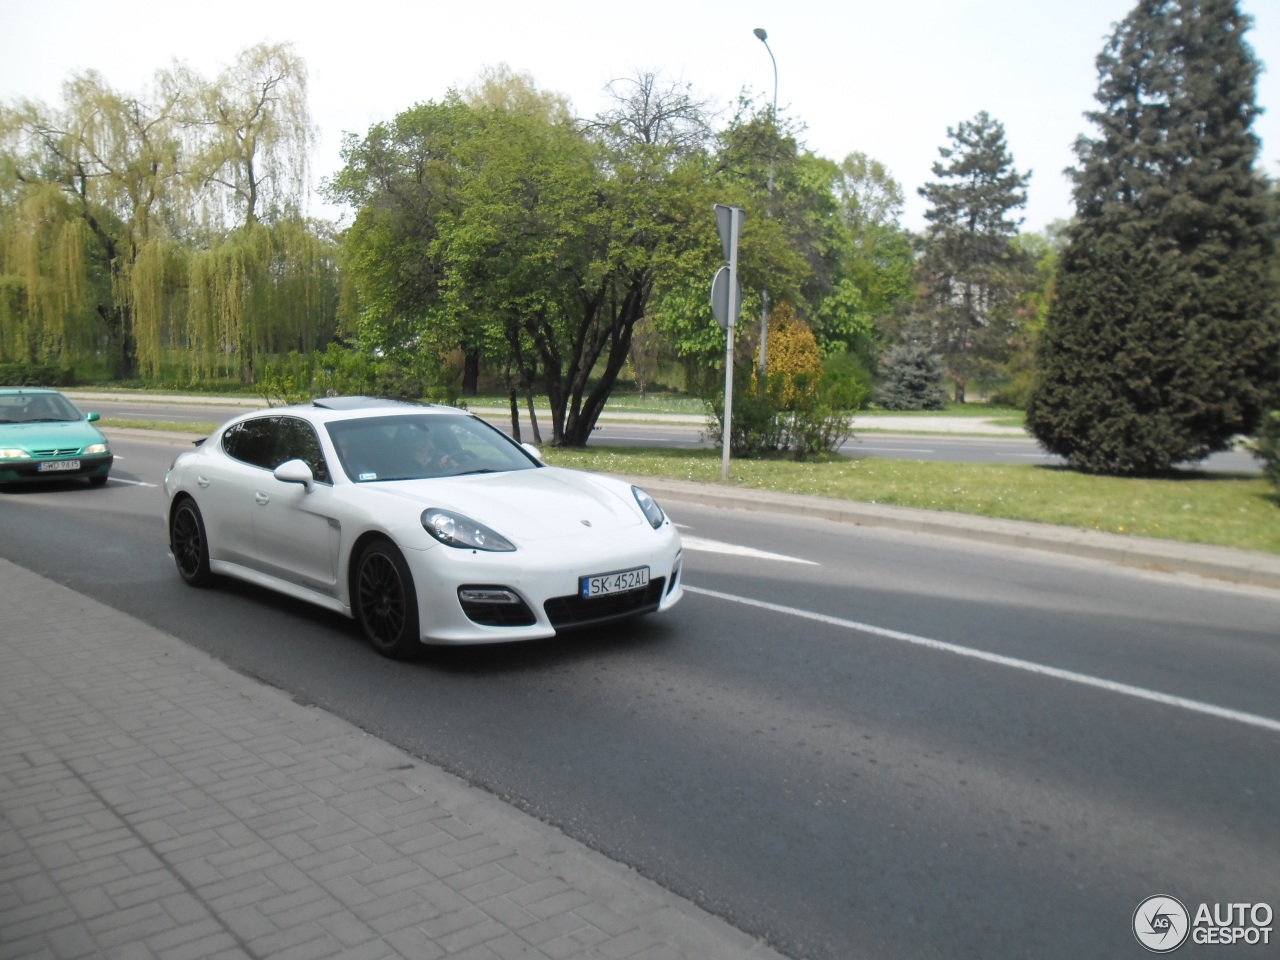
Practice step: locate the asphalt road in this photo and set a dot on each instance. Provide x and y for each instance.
(843, 740)
(865, 443)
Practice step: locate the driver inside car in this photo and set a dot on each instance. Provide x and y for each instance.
(431, 453)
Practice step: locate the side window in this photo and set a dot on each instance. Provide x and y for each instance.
(297, 440)
(252, 441)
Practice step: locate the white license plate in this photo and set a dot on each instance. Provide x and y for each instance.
(620, 581)
(50, 466)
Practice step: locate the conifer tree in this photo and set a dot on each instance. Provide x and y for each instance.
(1164, 339)
(971, 271)
(912, 380)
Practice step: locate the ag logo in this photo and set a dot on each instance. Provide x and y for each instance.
(1161, 924)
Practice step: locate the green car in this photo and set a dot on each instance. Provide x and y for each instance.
(44, 436)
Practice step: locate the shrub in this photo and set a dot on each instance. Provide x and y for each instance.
(33, 375)
(343, 370)
(801, 412)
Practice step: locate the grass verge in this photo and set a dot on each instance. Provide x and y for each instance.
(1231, 510)
(168, 426)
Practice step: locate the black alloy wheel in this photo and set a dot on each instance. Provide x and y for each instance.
(385, 601)
(189, 544)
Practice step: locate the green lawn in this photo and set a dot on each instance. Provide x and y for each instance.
(1233, 510)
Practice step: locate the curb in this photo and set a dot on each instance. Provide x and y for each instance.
(1170, 556)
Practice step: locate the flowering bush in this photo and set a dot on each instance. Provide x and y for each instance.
(805, 407)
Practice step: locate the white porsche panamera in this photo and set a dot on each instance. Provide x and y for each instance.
(424, 523)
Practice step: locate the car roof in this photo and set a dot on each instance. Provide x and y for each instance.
(362, 403)
(330, 409)
(18, 391)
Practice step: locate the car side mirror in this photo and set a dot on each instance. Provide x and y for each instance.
(533, 451)
(91, 417)
(295, 471)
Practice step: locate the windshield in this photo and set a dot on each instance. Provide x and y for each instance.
(37, 408)
(423, 446)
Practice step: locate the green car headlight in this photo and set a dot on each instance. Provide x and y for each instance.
(13, 453)
(96, 448)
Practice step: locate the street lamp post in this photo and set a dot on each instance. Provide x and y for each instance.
(763, 36)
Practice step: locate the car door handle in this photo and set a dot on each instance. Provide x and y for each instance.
(203, 481)
(261, 498)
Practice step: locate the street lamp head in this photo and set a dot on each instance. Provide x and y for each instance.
(761, 33)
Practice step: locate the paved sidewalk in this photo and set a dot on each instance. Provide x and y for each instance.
(154, 803)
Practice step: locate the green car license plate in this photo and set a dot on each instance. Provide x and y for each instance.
(52, 466)
(620, 581)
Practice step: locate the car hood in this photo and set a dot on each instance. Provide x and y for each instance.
(530, 504)
(66, 435)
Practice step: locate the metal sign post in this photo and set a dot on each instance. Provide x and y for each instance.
(726, 301)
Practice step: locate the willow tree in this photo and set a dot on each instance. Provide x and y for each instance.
(254, 134)
(110, 163)
(113, 205)
(266, 281)
(46, 298)
(257, 291)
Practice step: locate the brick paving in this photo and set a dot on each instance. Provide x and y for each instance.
(155, 804)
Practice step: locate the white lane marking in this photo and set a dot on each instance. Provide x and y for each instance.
(1196, 706)
(717, 546)
(136, 483)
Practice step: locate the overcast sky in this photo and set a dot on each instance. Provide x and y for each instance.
(886, 79)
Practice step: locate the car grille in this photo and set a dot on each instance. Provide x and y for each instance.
(57, 452)
(575, 612)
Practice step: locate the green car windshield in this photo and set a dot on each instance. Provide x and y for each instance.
(37, 408)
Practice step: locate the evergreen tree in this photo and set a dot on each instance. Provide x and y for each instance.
(971, 271)
(1164, 339)
(912, 380)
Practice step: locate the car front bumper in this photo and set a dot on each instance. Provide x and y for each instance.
(546, 585)
(29, 471)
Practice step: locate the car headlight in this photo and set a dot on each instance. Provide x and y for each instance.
(13, 453)
(455, 530)
(96, 448)
(652, 512)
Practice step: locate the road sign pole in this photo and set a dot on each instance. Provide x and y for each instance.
(726, 297)
(734, 306)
